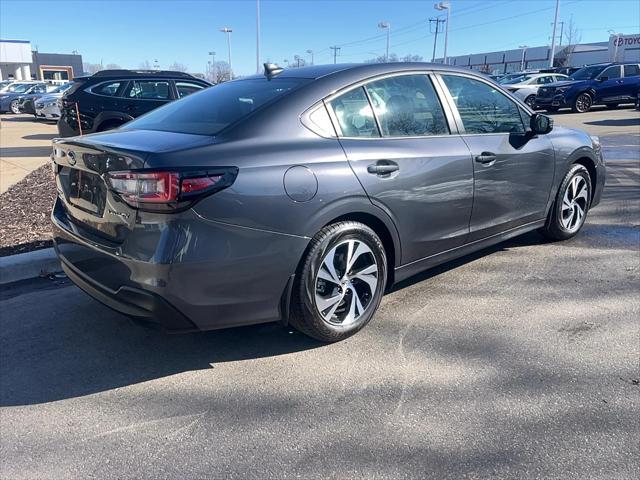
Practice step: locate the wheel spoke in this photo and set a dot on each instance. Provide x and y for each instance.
(358, 301)
(566, 222)
(367, 275)
(582, 194)
(328, 265)
(330, 303)
(351, 315)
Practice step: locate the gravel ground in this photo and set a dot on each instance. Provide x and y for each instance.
(24, 213)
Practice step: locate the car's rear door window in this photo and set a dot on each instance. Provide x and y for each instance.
(109, 89)
(483, 108)
(631, 70)
(407, 106)
(187, 88)
(210, 110)
(354, 114)
(149, 90)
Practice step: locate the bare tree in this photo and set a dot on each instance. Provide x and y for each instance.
(146, 65)
(572, 37)
(91, 67)
(113, 66)
(178, 67)
(393, 57)
(222, 72)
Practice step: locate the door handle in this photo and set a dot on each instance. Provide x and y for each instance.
(383, 167)
(486, 157)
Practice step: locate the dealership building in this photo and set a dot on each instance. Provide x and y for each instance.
(18, 61)
(619, 48)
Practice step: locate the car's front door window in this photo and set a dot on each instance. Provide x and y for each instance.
(149, 90)
(407, 105)
(611, 72)
(483, 108)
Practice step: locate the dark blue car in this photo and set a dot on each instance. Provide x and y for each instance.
(604, 84)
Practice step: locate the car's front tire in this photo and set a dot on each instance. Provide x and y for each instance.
(569, 211)
(14, 107)
(340, 282)
(531, 101)
(582, 103)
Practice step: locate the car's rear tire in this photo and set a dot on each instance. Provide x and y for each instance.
(612, 105)
(582, 103)
(569, 211)
(13, 106)
(340, 282)
(108, 125)
(531, 101)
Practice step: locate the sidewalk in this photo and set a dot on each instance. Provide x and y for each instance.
(25, 145)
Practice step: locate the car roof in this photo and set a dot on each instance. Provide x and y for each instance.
(365, 69)
(107, 74)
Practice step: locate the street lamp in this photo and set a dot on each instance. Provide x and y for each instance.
(228, 31)
(524, 51)
(445, 6)
(310, 52)
(156, 65)
(213, 66)
(386, 26)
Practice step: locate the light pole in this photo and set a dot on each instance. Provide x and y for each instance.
(296, 58)
(228, 31)
(445, 6)
(257, 36)
(553, 35)
(524, 51)
(386, 26)
(310, 52)
(213, 66)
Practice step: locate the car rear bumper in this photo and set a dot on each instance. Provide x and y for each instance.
(187, 274)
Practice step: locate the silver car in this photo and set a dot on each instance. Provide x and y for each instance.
(525, 87)
(302, 195)
(47, 107)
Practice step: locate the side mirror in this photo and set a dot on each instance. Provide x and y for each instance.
(541, 124)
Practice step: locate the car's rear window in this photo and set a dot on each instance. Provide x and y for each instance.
(209, 111)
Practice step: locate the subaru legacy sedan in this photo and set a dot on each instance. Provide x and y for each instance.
(301, 195)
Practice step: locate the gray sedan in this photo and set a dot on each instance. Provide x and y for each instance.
(301, 195)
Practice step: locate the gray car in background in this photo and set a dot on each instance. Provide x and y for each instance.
(301, 195)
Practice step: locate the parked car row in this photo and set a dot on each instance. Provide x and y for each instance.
(609, 84)
(100, 102)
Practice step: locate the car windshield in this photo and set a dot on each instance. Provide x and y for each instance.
(19, 87)
(62, 88)
(587, 73)
(209, 111)
(518, 79)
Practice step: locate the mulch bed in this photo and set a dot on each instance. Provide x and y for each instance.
(24, 213)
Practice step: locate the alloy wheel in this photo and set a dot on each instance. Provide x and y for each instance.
(14, 107)
(346, 282)
(574, 203)
(583, 103)
(531, 102)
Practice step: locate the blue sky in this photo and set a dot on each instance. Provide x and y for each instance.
(130, 32)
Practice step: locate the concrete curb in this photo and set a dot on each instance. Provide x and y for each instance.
(28, 265)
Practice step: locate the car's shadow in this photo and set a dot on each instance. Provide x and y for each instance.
(74, 347)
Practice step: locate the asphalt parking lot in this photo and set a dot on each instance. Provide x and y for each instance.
(520, 361)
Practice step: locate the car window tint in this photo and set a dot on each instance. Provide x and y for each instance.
(407, 105)
(149, 90)
(354, 114)
(611, 72)
(483, 109)
(187, 88)
(631, 70)
(211, 109)
(109, 89)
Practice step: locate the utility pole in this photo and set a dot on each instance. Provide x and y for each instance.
(445, 6)
(437, 21)
(228, 31)
(213, 66)
(553, 35)
(311, 53)
(335, 49)
(257, 36)
(386, 26)
(524, 51)
(561, 31)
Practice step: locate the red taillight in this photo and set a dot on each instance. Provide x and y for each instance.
(162, 191)
(156, 187)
